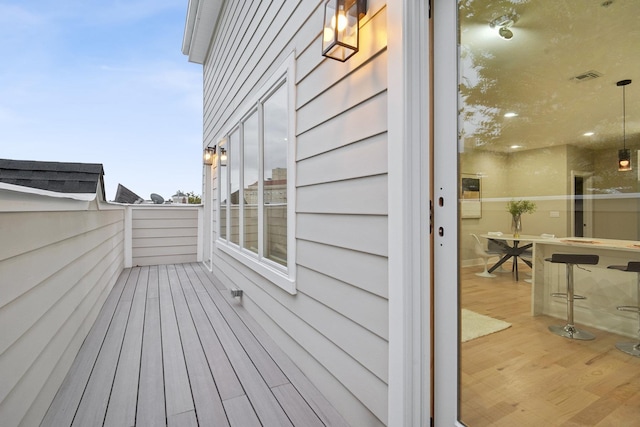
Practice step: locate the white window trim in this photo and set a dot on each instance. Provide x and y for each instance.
(283, 277)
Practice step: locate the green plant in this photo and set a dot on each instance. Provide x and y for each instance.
(193, 198)
(518, 207)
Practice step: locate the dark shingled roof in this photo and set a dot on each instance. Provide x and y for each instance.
(124, 195)
(53, 176)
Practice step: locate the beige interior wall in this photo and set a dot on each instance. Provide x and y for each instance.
(491, 167)
(544, 176)
(537, 175)
(616, 204)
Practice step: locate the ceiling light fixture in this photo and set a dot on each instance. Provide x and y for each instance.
(511, 114)
(624, 155)
(588, 134)
(503, 24)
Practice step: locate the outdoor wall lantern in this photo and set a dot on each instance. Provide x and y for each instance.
(209, 155)
(341, 34)
(223, 157)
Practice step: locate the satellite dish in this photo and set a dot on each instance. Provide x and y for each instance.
(157, 199)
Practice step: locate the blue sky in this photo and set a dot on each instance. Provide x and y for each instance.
(102, 81)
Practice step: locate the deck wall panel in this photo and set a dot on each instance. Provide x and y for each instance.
(54, 277)
(164, 235)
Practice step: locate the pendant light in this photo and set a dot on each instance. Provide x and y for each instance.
(624, 155)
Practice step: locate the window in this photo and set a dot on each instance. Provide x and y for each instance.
(256, 185)
(533, 132)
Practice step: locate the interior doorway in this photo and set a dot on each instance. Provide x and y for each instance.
(581, 212)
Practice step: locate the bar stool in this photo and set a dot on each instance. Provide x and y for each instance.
(569, 330)
(630, 347)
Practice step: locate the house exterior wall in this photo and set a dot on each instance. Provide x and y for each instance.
(56, 269)
(336, 326)
(164, 235)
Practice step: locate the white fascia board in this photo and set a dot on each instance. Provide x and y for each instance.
(202, 18)
(84, 197)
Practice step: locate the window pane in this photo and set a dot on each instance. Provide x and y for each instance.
(223, 196)
(251, 183)
(234, 178)
(541, 123)
(275, 176)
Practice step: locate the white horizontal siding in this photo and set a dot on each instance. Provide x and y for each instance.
(354, 196)
(362, 233)
(336, 327)
(345, 128)
(318, 335)
(54, 277)
(341, 264)
(366, 157)
(164, 235)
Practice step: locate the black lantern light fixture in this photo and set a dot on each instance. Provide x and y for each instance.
(209, 155)
(624, 155)
(341, 33)
(223, 156)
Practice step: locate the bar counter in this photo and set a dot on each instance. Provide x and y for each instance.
(604, 289)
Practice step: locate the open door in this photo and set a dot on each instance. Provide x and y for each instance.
(582, 204)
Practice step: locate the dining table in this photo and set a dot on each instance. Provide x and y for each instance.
(512, 247)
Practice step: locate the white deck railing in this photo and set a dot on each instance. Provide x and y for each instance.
(58, 262)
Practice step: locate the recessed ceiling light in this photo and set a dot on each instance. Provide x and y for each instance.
(511, 114)
(588, 133)
(503, 25)
(516, 146)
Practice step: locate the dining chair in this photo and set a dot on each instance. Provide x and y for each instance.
(485, 255)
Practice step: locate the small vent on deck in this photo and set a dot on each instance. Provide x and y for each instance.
(589, 75)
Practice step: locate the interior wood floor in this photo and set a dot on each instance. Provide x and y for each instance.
(527, 376)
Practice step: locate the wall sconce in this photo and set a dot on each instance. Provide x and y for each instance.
(209, 154)
(341, 34)
(624, 155)
(223, 157)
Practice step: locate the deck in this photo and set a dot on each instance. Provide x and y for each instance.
(170, 347)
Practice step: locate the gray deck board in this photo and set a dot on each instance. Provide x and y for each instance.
(95, 399)
(177, 387)
(170, 348)
(206, 399)
(65, 403)
(225, 376)
(241, 412)
(151, 404)
(122, 403)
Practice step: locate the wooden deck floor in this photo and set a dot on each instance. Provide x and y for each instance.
(169, 348)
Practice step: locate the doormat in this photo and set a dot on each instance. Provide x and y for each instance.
(476, 325)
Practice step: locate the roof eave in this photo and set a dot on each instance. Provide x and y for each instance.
(202, 18)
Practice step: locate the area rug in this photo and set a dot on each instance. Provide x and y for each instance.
(476, 325)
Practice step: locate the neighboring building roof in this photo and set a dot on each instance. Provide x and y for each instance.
(124, 195)
(59, 177)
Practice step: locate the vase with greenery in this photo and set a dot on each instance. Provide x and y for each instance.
(516, 208)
